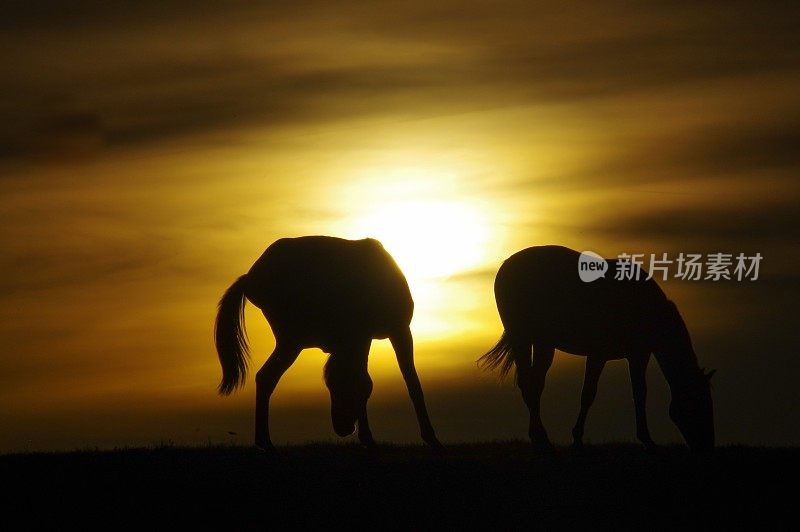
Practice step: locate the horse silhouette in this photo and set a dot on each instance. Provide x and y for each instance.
(544, 305)
(325, 292)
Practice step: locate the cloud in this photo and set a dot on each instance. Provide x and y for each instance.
(151, 72)
(746, 228)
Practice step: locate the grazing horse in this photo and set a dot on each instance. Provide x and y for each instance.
(543, 304)
(325, 292)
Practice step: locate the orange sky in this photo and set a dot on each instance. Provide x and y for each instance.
(149, 154)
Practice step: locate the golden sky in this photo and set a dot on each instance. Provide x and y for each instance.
(149, 154)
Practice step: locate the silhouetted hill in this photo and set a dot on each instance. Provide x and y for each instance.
(489, 484)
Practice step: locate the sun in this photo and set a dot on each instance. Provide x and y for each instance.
(422, 214)
(428, 239)
(431, 241)
(434, 226)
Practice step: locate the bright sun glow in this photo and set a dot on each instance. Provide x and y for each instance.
(432, 228)
(428, 239)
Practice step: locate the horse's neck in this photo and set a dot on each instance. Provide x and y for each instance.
(678, 366)
(674, 352)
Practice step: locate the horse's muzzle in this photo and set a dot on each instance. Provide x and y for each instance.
(343, 429)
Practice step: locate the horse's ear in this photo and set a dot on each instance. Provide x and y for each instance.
(709, 374)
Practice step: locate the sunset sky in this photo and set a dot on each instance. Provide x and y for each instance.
(151, 151)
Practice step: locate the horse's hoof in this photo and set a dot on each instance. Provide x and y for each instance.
(436, 447)
(543, 447)
(370, 445)
(266, 448)
(652, 448)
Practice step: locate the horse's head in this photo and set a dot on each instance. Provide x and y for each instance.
(692, 411)
(350, 387)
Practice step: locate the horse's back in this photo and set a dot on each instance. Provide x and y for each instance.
(540, 296)
(325, 285)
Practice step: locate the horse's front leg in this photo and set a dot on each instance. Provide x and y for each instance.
(637, 367)
(594, 367)
(403, 344)
(364, 432)
(266, 380)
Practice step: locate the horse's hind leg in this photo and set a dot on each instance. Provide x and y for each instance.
(521, 353)
(594, 367)
(530, 379)
(637, 367)
(266, 379)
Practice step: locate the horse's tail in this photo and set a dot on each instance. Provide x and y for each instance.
(499, 357)
(230, 338)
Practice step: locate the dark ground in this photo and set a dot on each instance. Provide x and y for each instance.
(497, 485)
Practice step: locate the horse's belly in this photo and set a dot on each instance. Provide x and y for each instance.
(325, 316)
(322, 291)
(541, 297)
(608, 349)
(591, 331)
